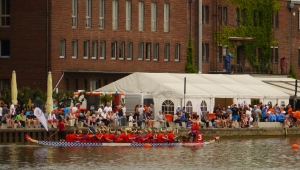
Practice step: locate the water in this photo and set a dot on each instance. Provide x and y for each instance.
(270, 153)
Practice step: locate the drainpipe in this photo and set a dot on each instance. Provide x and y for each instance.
(47, 40)
(200, 37)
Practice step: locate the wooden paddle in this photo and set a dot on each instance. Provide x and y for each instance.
(48, 138)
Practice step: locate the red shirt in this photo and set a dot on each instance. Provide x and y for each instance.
(106, 136)
(61, 126)
(119, 139)
(72, 137)
(155, 137)
(112, 137)
(138, 139)
(171, 137)
(195, 128)
(149, 137)
(100, 137)
(79, 137)
(123, 136)
(160, 138)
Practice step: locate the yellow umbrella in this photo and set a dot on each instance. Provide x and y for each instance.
(14, 90)
(49, 104)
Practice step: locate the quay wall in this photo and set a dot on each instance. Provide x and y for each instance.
(18, 135)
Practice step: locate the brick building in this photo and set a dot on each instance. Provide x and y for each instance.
(87, 44)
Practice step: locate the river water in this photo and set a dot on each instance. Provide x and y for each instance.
(260, 153)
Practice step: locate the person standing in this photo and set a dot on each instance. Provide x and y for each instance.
(12, 110)
(61, 132)
(235, 115)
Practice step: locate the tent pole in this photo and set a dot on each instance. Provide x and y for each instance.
(184, 91)
(295, 96)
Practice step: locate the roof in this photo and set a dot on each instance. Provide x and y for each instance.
(284, 84)
(197, 86)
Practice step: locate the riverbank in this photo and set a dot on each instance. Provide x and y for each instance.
(17, 135)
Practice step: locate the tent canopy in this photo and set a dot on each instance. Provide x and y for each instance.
(197, 85)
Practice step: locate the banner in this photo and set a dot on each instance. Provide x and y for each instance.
(40, 115)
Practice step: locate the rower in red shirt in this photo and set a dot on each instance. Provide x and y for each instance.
(132, 136)
(106, 136)
(171, 137)
(118, 137)
(139, 137)
(99, 136)
(161, 136)
(123, 135)
(155, 135)
(111, 136)
(194, 129)
(149, 136)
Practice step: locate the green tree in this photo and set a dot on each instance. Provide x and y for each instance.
(24, 94)
(106, 98)
(6, 97)
(189, 66)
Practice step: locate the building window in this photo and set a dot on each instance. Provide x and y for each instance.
(4, 12)
(93, 85)
(115, 14)
(275, 20)
(141, 16)
(168, 107)
(177, 52)
(243, 13)
(205, 14)
(86, 49)
(153, 16)
(220, 15)
(76, 84)
(155, 51)
(189, 107)
(88, 13)
(4, 85)
(129, 50)
(298, 59)
(94, 49)
(62, 48)
(220, 52)
(203, 106)
(225, 15)
(74, 49)
(74, 13)
(148, 51)
(237, 17)
(101, 13)
(128, 15)
(102, 49)
(4, 48)
(166, 17)
(205, 51)
(113, 50)
(274, 53)
(85, 82)
(121, 50)
(141, 51)
(67, 84)
(166, 52)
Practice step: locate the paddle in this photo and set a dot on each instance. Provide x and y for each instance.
(48, 138)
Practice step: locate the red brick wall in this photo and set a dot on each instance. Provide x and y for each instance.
(27, 35)
(61, 29)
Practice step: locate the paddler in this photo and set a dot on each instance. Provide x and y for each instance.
(171, 136)
(194, 129)
(149, 136)
(112, 135)
(161, 136)
(99, 136)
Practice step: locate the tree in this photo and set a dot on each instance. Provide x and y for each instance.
(106, 98)
(189, 66)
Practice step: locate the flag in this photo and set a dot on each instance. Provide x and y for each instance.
(40, 115)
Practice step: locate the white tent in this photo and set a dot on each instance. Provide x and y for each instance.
(199, 88)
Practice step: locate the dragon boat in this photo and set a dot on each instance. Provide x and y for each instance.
(199, 142)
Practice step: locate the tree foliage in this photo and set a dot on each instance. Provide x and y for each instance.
(189, 66)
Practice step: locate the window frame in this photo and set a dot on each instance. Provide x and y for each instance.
(275, 19)
(1, 43)
(128, 15)
(225, 15)
(203, 106)
(121, 50)
(101, 14)
(166, 52)
(205, 51)
(205, 15)
(155, 51)
(115, 13)
(168, 107)
(102, 49)
(113, 48)
(88, 14)
(6, 15)
(74, 13)
(177, 52)
(148, 51)
(129, 50)
(153, 16)
(74, 53)
(141, 51)
(94, 49)
(62, 48)
(86, 50)
(166, 17)
(141, 16)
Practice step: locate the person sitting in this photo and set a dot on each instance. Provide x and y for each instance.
(19, 120)
(171, 136)
(8, 120)
(31, 119)
(160, 118)
(177, 118)
(52, 119)
(151, 121)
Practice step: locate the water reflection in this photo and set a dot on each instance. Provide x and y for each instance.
(228, 154)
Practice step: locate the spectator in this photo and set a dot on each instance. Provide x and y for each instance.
(52, 119)
(8, 120)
